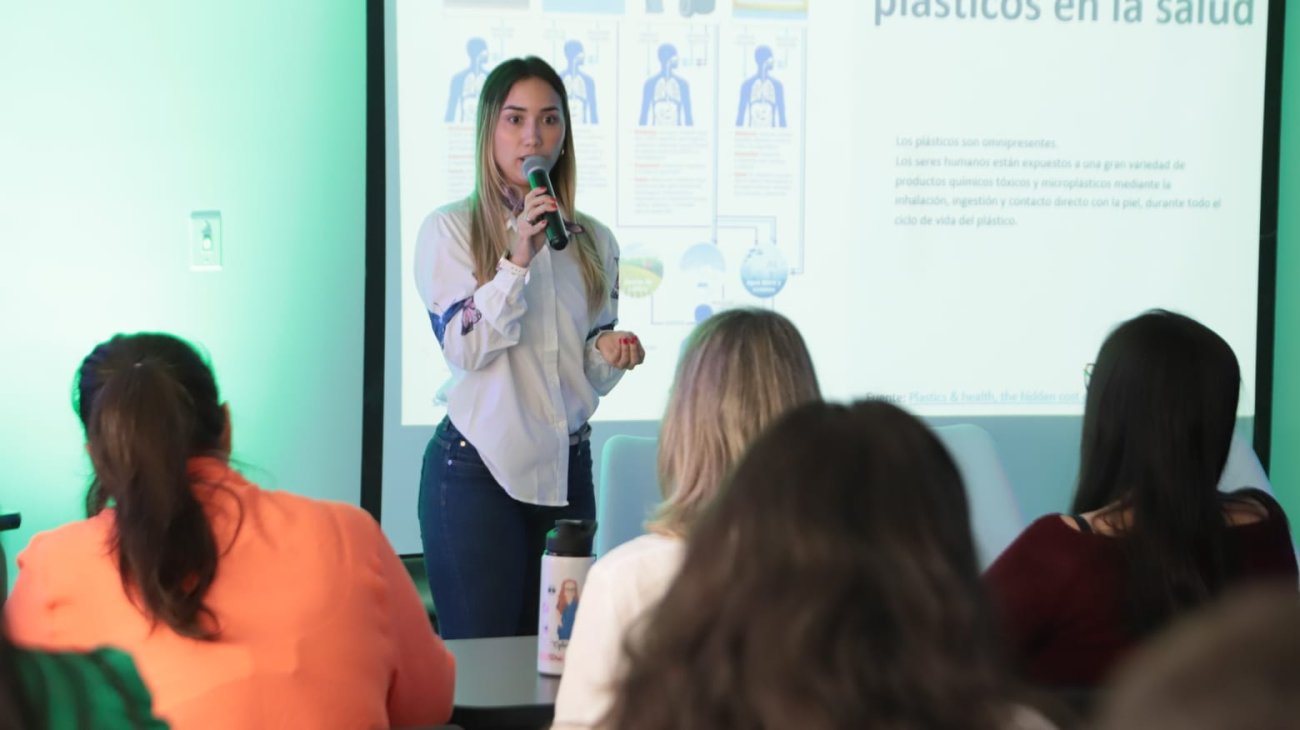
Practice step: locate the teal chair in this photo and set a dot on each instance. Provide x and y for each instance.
(994, 512)
(414, 565)
(628, 489)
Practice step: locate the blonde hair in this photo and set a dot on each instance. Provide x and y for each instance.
(489, 240)
(740, 370)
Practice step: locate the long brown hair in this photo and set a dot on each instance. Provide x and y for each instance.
(831, 585)
(1233, 663)
(149, 403)
(488, 211)
(740, 370)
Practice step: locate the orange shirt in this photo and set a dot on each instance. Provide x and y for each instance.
(320, 624)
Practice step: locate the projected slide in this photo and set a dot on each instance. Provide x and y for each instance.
(954, 199)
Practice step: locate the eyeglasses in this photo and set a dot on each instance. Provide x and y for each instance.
(1087, 374)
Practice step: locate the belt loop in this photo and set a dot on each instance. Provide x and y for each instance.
(447, 433)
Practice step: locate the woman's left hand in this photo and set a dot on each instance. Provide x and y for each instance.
(621, 349)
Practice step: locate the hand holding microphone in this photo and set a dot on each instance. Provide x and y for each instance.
(538, 174)
(529, 224)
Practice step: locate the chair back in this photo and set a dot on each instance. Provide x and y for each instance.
(1243, 468)
(414, 565)
(994, 512)
(7, 522)
(629, 489)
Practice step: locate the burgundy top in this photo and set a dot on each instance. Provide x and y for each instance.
(1058, 592)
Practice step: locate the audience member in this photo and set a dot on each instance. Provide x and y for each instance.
(740, 370)
(832, 584)
(57, 690)
(1150, 537)
(99, 689)
(1233, 665)
(242, 607)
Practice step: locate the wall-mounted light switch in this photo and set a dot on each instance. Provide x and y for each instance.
(205, 240)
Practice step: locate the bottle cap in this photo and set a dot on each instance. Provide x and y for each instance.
(571, 538)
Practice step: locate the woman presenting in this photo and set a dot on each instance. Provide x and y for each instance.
(529, 334)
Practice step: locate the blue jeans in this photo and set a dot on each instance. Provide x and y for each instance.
(482, 547)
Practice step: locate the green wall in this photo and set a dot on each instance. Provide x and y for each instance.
(1285, 467)
(116, 121)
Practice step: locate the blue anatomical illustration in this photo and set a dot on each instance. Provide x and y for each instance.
(579, 85)
(762, 97)
(466, 84)
(666, 97)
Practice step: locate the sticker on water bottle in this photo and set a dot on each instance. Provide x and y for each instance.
(558, 611)
(564, 570)
(567, 607)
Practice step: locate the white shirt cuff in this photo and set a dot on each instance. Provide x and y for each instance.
(510, 267)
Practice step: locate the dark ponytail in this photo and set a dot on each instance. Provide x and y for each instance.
(149, 403)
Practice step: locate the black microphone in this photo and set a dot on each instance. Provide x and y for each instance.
(10, 522)
(539, 176)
